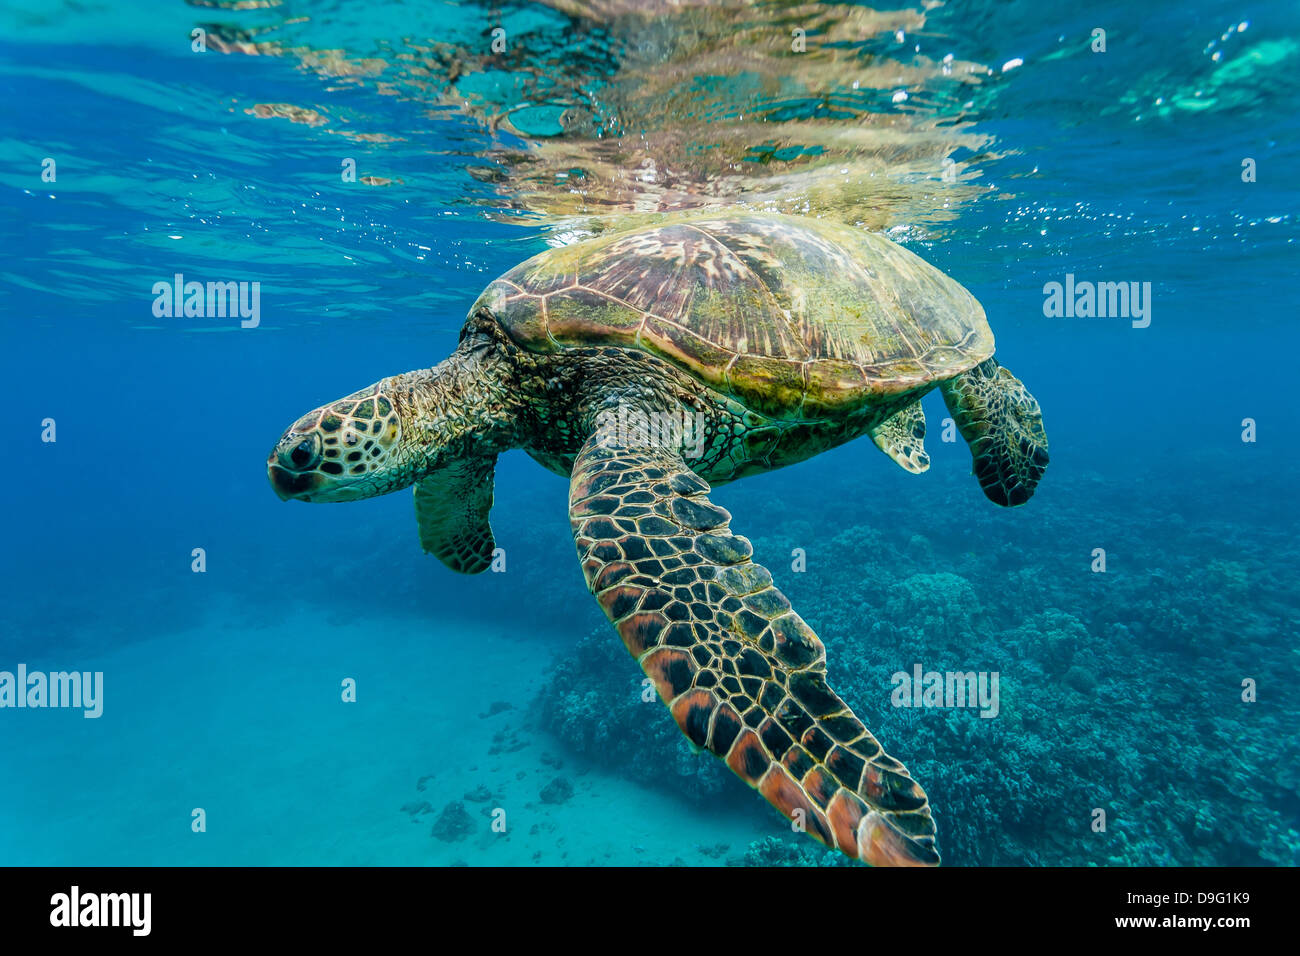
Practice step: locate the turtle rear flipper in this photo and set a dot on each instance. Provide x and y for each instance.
(902, 438)
(742, 674)
(1003, 425)
(451, 508)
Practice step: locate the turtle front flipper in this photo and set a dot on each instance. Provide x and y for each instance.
(902, 438)
(1003, 425)
(451, 507)
(742, 674)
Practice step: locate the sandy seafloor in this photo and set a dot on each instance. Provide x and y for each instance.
(319, 783)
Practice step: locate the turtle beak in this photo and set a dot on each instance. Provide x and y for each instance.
(291, 466)
(288, 484)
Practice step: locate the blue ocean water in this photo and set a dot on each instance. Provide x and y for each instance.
(1000, 141)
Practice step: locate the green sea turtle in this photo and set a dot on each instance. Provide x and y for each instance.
(646, 365)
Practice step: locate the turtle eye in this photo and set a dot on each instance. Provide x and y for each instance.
(304, 453)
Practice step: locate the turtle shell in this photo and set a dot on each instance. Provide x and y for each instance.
(796, 318)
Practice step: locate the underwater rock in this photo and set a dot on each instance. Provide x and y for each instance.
(479, 794)
(935, 604)
(454, 823)
(496, 707)
(505, 742)
(1081, 679)
(417, 808)
(1052, 638)
(557, 791)
(920, 550)
(1227, 576)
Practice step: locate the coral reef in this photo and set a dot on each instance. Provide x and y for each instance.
(558, 790)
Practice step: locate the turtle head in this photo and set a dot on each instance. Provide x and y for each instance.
(397, 431)
(344, 451)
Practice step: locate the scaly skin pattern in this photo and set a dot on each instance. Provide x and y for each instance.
(452, 505)
(742, 674)
(1003, 426)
